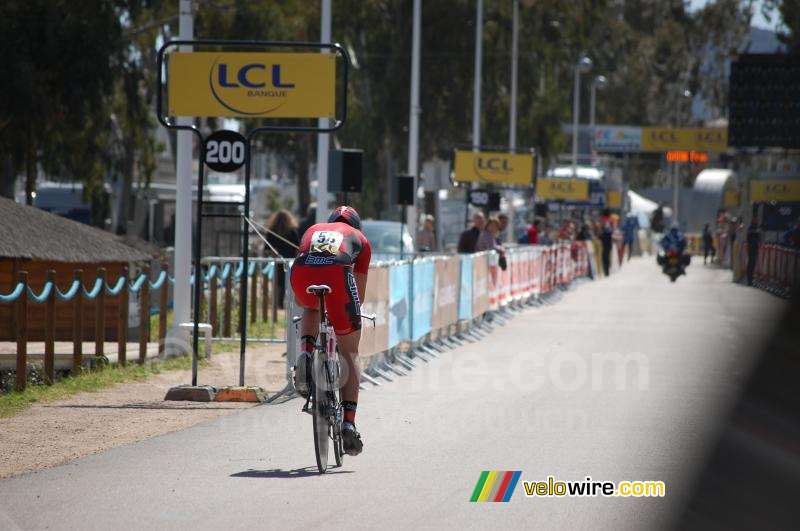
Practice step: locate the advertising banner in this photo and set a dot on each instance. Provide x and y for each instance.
(777, 190)
(465, 295)
(562, 189)
(252, 85)
(657, 139)
(617, 139)
(480, 284)
(376, 301)
(494, 168)
(399, 308)
(447, 280)
(422, 300)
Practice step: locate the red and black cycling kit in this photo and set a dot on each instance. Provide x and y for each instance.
(329, 253)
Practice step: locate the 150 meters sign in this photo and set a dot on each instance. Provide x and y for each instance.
(252, 85)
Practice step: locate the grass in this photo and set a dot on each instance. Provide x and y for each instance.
(88, 381)
(93, 380)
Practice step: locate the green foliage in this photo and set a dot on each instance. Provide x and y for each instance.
(80, 98)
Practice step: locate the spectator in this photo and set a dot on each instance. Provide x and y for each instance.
(753, 239)
(503, 221)
(283, 238)
(629, 230)
(487, 241)
(708, 244)
(657, 220)
(469, 238)
(606, 240)
(585, 233)
(310, 219)
(791, 238)
(545, 237)
(426, 239)
(533, 232)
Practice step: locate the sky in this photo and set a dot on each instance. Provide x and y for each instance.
(758, 18)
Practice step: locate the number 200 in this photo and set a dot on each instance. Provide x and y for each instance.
(225, 152)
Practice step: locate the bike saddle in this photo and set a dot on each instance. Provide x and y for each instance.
(321, 289)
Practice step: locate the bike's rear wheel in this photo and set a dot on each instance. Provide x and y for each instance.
(336, 429)
(322, 427)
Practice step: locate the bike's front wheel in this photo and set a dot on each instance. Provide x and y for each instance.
(322, 427)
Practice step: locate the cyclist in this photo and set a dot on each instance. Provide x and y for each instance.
(336, 254)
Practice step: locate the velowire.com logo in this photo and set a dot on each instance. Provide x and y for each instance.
(494, 486)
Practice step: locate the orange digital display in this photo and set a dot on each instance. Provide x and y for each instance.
(687, 156)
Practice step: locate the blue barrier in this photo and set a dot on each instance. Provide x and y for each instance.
(48, 287)
(399, 311)
(117, 289)
(71, 292)
(14, 295)
(422, 298)
(465, 293)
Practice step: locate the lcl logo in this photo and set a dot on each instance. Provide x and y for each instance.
(664, 136)
(709, 136)
(494, 164)
(776, 189)
(565, 186)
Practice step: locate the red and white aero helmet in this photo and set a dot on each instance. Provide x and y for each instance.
(346, 214)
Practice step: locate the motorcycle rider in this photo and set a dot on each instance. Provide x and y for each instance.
(674, 240)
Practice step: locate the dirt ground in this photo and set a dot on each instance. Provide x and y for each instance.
(52, 433)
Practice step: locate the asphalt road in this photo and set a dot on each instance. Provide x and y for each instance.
(535, 396)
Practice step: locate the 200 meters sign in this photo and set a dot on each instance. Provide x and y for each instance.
(225, 151)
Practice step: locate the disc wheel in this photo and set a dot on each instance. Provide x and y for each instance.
(322, 427)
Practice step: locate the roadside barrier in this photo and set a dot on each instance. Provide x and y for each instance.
(777, 269)
(426, 304)
(423, 304)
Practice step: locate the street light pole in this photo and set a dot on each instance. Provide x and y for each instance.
(476, 101)
(598, 83)
(583, 65)
(413, 119)
(182, 265)
(323, 139)
(686, 94)
(512, 130)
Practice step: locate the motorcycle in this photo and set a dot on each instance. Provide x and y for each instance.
(673, 264)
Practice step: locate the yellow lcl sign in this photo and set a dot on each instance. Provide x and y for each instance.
(494, 168)
(657, 139)
(776, 190)
(252, 85)
(563, 189)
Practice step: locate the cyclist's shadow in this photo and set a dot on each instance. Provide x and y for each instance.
(277, 473)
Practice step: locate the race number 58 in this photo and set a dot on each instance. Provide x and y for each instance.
(225, 151)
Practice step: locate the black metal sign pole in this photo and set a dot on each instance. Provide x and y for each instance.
(245, 264)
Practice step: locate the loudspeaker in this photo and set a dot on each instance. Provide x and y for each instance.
(344, 170)
(405, 190)
(540, 210)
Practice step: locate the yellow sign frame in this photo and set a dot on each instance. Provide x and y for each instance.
(558, 189)
(252, 84)
(494, 167)
(658, 139)
(786, 190)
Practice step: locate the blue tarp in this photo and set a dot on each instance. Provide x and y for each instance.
(399, 314)
(422, 300)
(465, 295)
